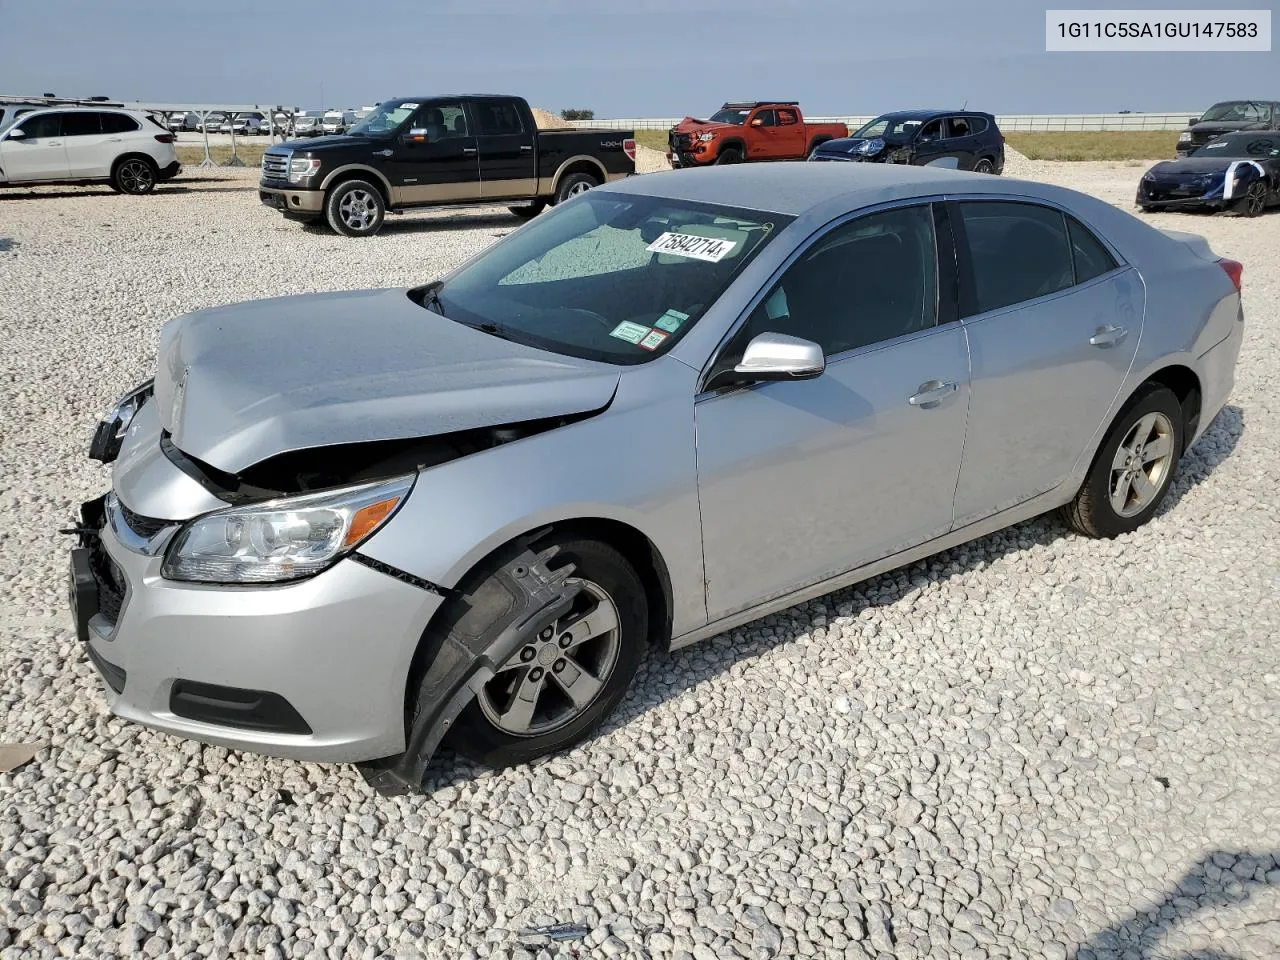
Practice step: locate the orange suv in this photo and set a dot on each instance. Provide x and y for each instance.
(758, 130)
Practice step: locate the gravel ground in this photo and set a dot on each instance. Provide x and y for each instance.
(1036, 745)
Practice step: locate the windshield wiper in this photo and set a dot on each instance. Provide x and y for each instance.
(494, 330)
(431, 297)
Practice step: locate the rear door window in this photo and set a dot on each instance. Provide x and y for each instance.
(81, 124)
(1017, 252)
(959, 127)
(498, 117)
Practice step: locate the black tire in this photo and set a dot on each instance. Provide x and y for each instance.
(984, 165)
(1092, 512)
(575, 183)
(1254, 201)
(135, 176)
(478, 737)
(355, 208)
(529, 210)
(729, 155)
(1147, 209)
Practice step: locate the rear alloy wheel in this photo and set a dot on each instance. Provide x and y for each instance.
(355, 209)
(566, 677)
(135, 176)
(984, 166)
(575, 184)
(1254, 201)
(1134, 467)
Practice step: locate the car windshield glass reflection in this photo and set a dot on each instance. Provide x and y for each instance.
(611, 277)
(888, 127)
(738, 117)
(385, 119)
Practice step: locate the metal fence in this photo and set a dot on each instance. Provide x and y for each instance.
(1011, 122)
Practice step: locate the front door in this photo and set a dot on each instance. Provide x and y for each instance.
(40, 154)
(508, 161)
(435, 158)
(802, 481)
(1053, 322)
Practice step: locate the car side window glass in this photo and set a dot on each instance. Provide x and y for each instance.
(498, 117)
(81, 124)
(1019, 251)
(786, 117)
(767, 118)
(959, 127)
(442, 121)
(869, 280)
(41, 126)
(977, 125)
(931, 131)
(1090, 257)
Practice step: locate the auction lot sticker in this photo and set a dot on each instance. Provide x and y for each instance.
(1138, 30)
(711, 249)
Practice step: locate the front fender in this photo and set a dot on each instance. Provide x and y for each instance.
(634, 463)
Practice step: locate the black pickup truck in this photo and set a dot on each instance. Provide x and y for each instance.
(436, 151)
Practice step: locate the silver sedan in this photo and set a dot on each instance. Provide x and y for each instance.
(343, 527)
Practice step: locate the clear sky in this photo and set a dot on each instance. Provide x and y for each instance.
(642, 58)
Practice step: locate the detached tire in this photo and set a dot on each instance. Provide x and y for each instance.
(574, 184)
(530, 210)
(135, 176)
(565, 681)
(729, 155)
(1133, 468)
(355, 208)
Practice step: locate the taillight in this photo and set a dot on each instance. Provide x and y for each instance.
(1235, 270)
(165, 137)
(629, 148)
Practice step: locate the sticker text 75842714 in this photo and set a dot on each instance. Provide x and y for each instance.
(711, 249)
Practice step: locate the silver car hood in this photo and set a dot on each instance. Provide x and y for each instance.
(239, 384)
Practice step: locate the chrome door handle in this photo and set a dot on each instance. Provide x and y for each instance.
(526, 147)
(468, 151)
(114, 139)
(1108, 336)
(931, 393)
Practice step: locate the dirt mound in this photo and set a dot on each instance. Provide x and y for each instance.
(546, 120)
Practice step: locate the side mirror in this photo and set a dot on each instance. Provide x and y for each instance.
(758, 122)
(777, 356)
(416, 135)
(1193, 121)
(16, 134)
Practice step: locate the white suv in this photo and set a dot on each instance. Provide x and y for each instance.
(128, 150)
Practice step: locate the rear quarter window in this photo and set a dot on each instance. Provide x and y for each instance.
(1090, 258)
(978, 124)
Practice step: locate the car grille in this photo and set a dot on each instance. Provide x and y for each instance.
(275, 166)
(145, 527)
(110, 582)
(1178, 189)
(680, 142)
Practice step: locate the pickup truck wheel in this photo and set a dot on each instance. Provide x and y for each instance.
(574, 184)
(529, 210)
(566, 679)
(355, 208)
(729, 155)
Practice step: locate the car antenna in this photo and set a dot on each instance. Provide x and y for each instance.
(966, 104)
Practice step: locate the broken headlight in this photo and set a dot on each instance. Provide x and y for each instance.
(111, 430)
(284, 539)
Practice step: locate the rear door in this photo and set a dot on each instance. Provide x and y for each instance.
(1053, 320)
(40, 154)
(790, 133)
(508, 160)
(435, 159)
(91, 147)
(960, 139)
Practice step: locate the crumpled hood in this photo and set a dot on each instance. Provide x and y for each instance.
(850, 145)
(694, 125)
(1190, 167)
(239, 384)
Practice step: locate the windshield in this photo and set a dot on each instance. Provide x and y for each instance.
(610, 277)
(738, 117)
(889, 127)
(1237, 110)
(386, 118)
(1250, 146)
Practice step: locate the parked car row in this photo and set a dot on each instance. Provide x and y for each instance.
(776, 130)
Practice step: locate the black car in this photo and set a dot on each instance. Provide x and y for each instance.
(1228, 117)
(1238, 172)
(963, 138)
(439, 151)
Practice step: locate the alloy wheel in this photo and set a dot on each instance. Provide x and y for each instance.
(135, 176)
(580, 187)
(558, 673)
(358, 209)
(1141, 464)
(1256, 198)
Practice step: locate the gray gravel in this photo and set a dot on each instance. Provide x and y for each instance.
(1035, 745)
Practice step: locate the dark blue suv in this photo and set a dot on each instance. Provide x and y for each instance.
(962, 138)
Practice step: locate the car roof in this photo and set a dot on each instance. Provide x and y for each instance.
(794, 189)
(752, 104)
(929, 114)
